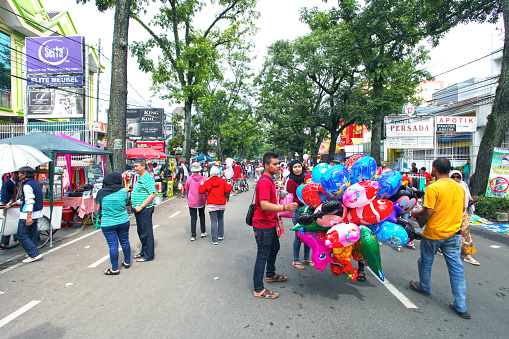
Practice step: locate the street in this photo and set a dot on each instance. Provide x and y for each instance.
(197, 290)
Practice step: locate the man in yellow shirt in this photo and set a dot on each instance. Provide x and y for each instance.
(443, 206)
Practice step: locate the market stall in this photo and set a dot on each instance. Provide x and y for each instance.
(52, 146)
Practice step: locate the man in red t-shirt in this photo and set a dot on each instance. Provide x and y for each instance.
(237, 173)
(264, 226)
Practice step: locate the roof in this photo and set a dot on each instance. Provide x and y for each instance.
(52, 144)
(465, 106)
(52, 14)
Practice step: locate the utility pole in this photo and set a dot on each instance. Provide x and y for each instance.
(97, 93)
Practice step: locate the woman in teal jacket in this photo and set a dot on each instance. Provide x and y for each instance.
(115, 220)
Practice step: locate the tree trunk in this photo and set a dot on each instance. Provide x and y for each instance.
(376, 125)
(118, 90)
(498, 120)
(187, 127)
(332, 145)
(219, 150)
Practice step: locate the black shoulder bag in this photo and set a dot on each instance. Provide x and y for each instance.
(251, 209)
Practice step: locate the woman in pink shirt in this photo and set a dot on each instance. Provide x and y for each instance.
(196, 201)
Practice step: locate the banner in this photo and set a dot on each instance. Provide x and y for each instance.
(157, 145)
(498, 182)
(456, 124)
(408, 127)
(145, 122)
(415, 143)
(54, 55)
(54, 103)
(59, 81)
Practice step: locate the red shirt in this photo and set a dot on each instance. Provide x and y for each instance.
(237, 172)
(216, 187)
(291, 187)
(265, 190)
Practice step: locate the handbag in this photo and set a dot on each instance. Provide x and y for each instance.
(288, 199)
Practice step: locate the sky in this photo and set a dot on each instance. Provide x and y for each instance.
(279, 19)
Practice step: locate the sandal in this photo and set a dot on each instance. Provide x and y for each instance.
(464, 315)
(266, 294)
(126, 265)
(298, 265)
(276, 278)
(110, 272)
(472, 261)
(361, 277)
(137, 256)
(309, 262)
(416, 288)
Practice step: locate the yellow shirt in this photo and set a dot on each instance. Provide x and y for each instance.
(447, 199)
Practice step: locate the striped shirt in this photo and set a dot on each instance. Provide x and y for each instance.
(144, 187)
(212, 207)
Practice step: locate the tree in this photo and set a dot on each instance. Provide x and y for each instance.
(498, 120)
(118, 89)
(189, 55)
(386, 31)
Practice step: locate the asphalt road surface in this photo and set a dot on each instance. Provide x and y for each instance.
(197, 290)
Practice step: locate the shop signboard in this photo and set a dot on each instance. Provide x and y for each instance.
(54, 103)
(60, 81)
(498, 182)
(456, 124)
(157, 145)
(407, 143)
(145, 122)
(400, 126)
(54, 55)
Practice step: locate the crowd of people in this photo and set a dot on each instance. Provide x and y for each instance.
(446, 205)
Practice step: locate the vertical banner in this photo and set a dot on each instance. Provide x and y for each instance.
(498, 182)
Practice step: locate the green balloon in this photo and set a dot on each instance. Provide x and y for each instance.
(371, 251)
(314, 227)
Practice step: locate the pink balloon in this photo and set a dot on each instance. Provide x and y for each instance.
(360, 194)
(342, 235)
(306, 157)
(321, 255)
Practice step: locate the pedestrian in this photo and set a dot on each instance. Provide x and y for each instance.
(195, 200)
(258, 172)
(31, 206)
(467, 169)
(7, 197)
(180, 180)
(237, 170)
(467, 245)
(414, 169)
(143, 193)
(295, 179)
(112, 198)
(264, 227)
(204, 172)
(443, 206)
(216, 203)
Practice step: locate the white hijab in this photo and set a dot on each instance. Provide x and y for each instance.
(464, 185)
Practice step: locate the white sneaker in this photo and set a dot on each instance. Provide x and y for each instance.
(193, 239)
(220, 238)
(29, 260)
(215, 243)
(203, 235)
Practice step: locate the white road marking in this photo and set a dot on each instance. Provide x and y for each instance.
(401, 297)
(166, 201)
(495, 246)
(174, 214)
(17, 313)
(156, 226)
(51, 250)
(100, 261)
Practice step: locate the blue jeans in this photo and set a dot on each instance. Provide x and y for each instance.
(6, 238)
(114, 235)
(466, 176)
(297, 242)
(145, 232)
(216, 224)
(28, 237)
(267, 243)
(451, 249)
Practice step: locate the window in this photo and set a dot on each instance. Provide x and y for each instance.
(5, 70)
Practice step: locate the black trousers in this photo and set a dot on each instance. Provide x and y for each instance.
(194, 212)
(145, 232)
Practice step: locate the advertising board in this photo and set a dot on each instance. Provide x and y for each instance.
(54, 103)
(54, 55)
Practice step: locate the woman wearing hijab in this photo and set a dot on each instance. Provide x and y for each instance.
(295, 179)
(114, 220)
(467, 245)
